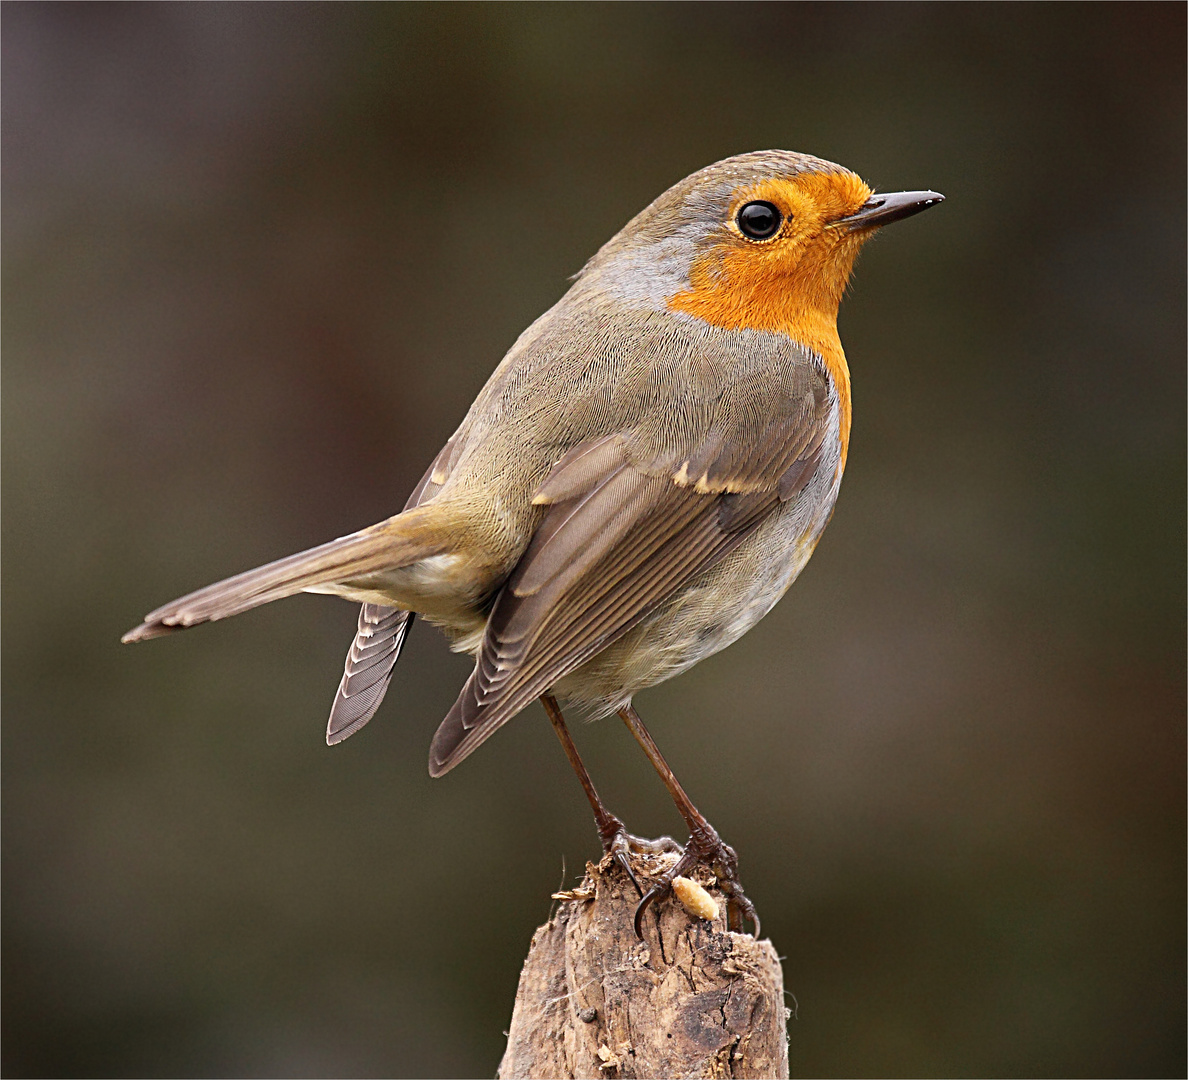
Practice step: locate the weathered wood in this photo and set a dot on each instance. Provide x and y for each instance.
(690, 1000)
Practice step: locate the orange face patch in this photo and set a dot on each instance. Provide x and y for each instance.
(792, 282)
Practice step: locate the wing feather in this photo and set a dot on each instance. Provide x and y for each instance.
(630, 519)
(534, 640)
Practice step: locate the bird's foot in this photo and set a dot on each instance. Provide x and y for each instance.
(705, 848)
(620, 845)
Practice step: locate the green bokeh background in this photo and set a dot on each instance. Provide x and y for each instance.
(258, 259)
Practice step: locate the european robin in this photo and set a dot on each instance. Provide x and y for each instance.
(641, 479)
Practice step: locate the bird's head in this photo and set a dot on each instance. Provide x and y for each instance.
(762, 241)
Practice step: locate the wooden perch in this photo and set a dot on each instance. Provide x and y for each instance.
(690, 1000)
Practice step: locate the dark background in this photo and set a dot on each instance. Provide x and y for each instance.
(258, 259)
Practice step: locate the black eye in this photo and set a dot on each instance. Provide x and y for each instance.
(759, 220)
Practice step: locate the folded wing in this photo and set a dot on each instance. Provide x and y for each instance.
(626, 526)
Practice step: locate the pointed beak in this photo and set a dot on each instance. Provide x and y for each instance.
(882, 209)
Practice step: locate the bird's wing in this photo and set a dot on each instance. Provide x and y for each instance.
(630, 519)
(380, 638)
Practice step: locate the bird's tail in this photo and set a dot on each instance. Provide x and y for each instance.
(400, 541)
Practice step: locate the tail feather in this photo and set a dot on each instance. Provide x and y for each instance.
(400, 541)
(368, 669)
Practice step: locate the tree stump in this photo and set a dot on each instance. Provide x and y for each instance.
(690, 1000)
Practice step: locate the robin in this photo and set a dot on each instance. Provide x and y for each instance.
(641, 479)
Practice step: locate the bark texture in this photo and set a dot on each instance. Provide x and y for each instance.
(690, 1000)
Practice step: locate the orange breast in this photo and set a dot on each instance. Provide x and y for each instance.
(793, 284)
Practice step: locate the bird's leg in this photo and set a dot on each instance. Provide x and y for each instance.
(705, 846)
(616, 840)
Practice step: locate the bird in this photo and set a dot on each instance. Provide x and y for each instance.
(641, 479)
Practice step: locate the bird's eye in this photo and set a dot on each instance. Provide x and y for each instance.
(759, 220)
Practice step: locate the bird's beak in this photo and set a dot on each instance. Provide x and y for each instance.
(882, 209)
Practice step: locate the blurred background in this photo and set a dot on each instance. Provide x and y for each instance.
(258, 259)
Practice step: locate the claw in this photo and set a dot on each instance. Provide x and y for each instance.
(738, 910)
(620, 845)
(619, 852)
(644, 903)
(705, 849)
